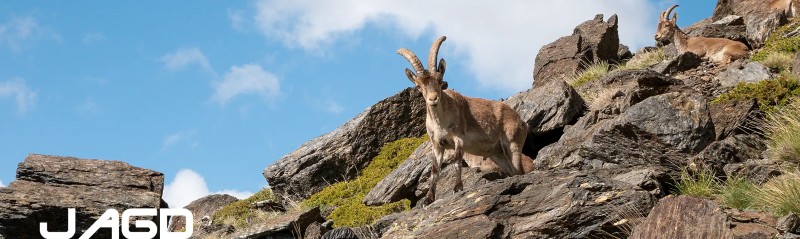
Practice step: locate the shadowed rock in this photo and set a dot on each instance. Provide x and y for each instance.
(684, 217)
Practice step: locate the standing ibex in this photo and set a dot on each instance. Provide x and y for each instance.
(476, 126)
(718, 50)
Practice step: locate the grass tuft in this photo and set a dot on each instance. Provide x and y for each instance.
(739, 193)
(345, 197)
(770, 94)
(592, 72)
(783, 133)
(781, 194)
(237, 213)
(644, 59)
(779, 61)
(700, 183)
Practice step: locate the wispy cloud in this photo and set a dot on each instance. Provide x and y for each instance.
(188, 186)
(187, 136)
(88, 106)
(500, 40)
(92, 38)
(324, 102)
(1, 183)
(185, 57)
(237, 19)
(246, 79)
(17, 90)
(21, 31)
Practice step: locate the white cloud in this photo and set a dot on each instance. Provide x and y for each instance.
(1, 183)
(179, 137)
(185, 57)
(17, 90)
(23, 30)
(246, 79)
(237, 19)
(88, 106)
(499, 40)
(188, 186)
(322, 101)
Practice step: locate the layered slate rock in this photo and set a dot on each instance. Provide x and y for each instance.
(593, 40)
(760, 19)
(750, 72)
(46, 186)
(204, 207)
(682, 62)
(547, 107)
(341, 154)
(684, 217)
(542, 204)
(735, 117)
(731, 27)
(289, 225)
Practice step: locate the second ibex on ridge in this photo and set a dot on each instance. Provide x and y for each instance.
(718, 50)
(464, 124)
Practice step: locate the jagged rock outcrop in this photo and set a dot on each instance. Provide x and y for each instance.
(340, 154)
(760, 19)
(593, 40)
(730, 27)
(46, 186)
(289, 225)
(735, 149)
(684, 217)
(679, 63)
(734, 117)
(204, 207)
(547, 107)
(542, 204)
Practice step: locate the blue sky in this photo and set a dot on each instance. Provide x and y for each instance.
(211, 92)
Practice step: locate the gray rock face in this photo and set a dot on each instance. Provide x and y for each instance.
(759, 19)
(637, 128)
(547, 107)
(681, 62)
(731, 27)
(734, 117)
(748, 73)
(593, 40)
(203, 207)
(347, 150)
(541, 204)
(47, 185)
(734, 149)
(684, 217)
(289, 225)
(758, 171)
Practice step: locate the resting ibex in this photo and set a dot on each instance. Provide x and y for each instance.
(464, 124)
(718, 50)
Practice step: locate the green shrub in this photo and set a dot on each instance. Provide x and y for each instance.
(777, 43)
(345, 197)
(770, 94)
(783, 133)
(236, 213)
(781, 194)
(739, 193)
(592, 72)
(701, 183)
(779, 61)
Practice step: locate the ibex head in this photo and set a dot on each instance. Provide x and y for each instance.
(666, 26)
(429, 81)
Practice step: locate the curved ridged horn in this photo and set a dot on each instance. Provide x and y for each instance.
(669, 10)
(434, 53)
(412, 59)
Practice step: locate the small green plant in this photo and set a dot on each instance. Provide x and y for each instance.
(237, 213)
(592, 72)
(779, 61)
(644, 59)
(778, 43)
(345, 197)
(770, 94)
(739, 193)
(699, 183)
(783, 133)
(781, 194)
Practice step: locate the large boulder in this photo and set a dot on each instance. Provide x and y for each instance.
(203, 210)
(341, 154)
(684, 217)
(736, 73)
(47, 186)
(760, 19)
(658, 130)
(593, 40)
(542, 204)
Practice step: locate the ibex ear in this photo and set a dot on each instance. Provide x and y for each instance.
(442, 66)
(410, 76)
(444, 85)
(675, 18)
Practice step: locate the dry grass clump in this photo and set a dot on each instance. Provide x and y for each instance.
(644, 59)
(779, 61)
(592, 72)
(781, 195)
(783, 133)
